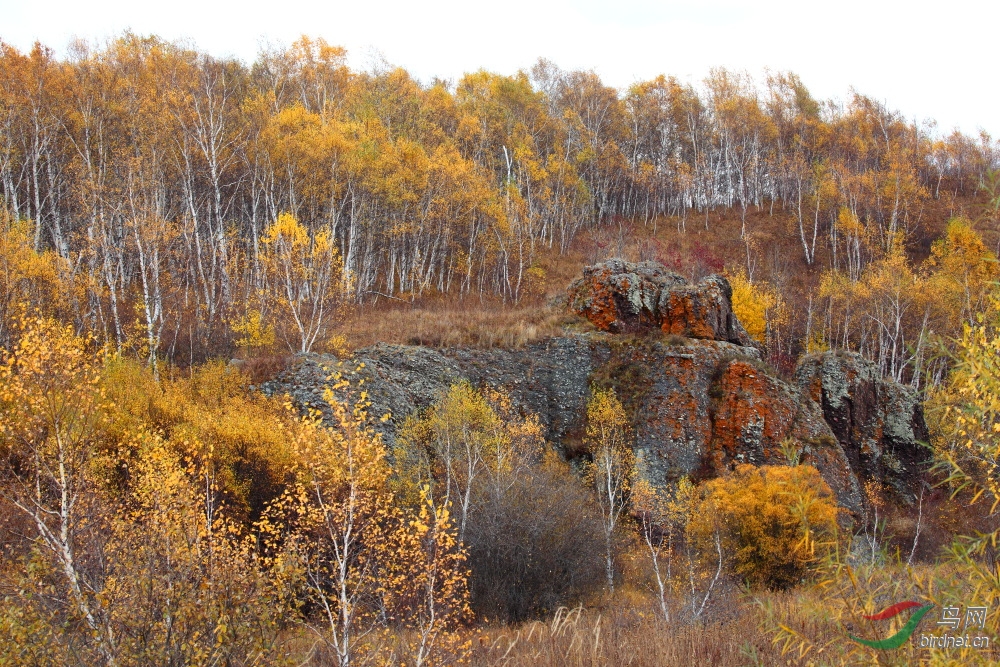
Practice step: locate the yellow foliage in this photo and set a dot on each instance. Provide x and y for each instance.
(816, 343)
(848, 222)
(964, 420)
(758, 307)
(811, 624)
(254, 333)
(468, 444)
(612, 468)
(368, 560)
(235, 438)
(666, 508)
(425, 585)
(607, 423)
(183, 578)
(963, 268)
(962, 253)
(306, 283)
(50, 418)
(51, 409)
(774, 521)
(534, 280)
(965, 413)
(186, 577)
(337, 345)
(883, 313)
(28, 278)
(176, 583)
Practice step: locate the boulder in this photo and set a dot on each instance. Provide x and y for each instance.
(621, 297)
(878, 423)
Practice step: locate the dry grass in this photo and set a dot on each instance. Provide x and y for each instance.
(627, 636)
(262, 368)
(589, 638)
(450, 324)
(447, 321)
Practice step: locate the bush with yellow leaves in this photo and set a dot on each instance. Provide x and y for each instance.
(774, 522)
(139, 569)
(387, 580)
(758, 306)
(133, 537)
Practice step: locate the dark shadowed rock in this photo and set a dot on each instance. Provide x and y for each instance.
(879, 423)
(619, 296)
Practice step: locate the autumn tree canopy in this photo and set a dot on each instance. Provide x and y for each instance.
(149, 188)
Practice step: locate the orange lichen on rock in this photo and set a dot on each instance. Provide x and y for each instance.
(619, 296)
(754, 413)
(601, 309)
(681, 317)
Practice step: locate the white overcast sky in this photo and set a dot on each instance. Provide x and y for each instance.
(928, 60)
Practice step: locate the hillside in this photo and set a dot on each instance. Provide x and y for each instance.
(185, 207)
(312, 366)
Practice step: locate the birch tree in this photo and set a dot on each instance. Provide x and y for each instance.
(50, 417)
(610, 439)
(304, 274)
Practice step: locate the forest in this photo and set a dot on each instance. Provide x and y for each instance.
(176, 229)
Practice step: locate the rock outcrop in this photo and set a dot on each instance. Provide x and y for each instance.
(697, 407)
(622, 297)
(700, 400)
(878, 423)
(550, 379)
(760, 419)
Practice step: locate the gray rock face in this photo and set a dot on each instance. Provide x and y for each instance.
(879, 423)
(619, 296)
(698, 407)
(550, 379)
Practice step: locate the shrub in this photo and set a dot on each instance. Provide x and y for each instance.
(210, 417)
(537, 546)
(530, 525)
(774, 522)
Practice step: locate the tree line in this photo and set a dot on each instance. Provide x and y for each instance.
(171, 201)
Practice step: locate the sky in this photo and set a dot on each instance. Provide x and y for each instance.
(929, 61)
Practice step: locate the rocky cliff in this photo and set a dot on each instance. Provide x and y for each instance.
(878, 423)
(700, 399)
